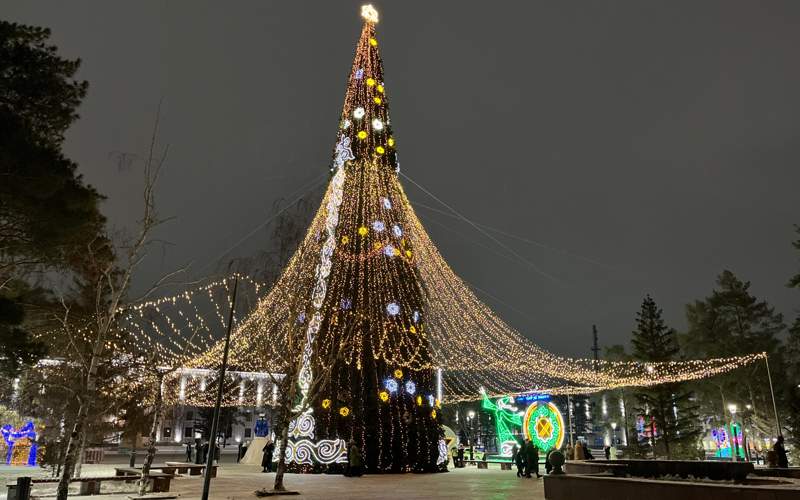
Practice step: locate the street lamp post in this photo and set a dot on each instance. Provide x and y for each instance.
(734, 437)
(613, 433)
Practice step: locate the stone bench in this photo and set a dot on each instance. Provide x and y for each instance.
(88, 485)
(192, 469)
(160, 480)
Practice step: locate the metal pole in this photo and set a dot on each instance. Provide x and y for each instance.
(569, 421)
(218, 403)
(772, 393)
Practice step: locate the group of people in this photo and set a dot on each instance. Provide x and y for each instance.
(200, 452)
(526, 458)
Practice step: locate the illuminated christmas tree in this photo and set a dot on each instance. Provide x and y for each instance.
(382, 394)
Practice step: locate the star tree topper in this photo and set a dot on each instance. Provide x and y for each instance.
(369, 13)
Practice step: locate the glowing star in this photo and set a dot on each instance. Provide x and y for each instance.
(412, 329)
(373, 42)
(393, 309)
(377, 124)
(362, 135)
(369, 13)
(398, 373)
(391, 385)
(387, 204)
(397, 231)
(378, 226)
(343, 152)
(358, 113)
(326, 403)
(377, 100)
(384, 396)
(363, 231)
(390, 142)
(370, 82)
(419, 400)
(344, 411)
(345, 240)
(388, 250)
(408, 253)
(380, 150)
(411, 387)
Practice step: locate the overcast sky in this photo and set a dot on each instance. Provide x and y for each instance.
(643, 146)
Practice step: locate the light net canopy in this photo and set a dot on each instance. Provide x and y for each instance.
(368, 275)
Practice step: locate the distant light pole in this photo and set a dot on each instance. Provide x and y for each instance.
(734, 435)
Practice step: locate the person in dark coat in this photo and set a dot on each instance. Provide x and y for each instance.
(205, 452)
(353, 461)
(460, 455)
(532, 459)
(198, 452)
(266, 458)
(607, 451)
(780, 451)
(189, 452)
(519, 460)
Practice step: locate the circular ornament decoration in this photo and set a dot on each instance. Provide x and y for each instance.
(398, 373)
(377, 100)
(363, 231)
(344, 411)
(370, 82)
(543, 424)
(326, 403)
(393, 309)
(384, 396)
(411, 387)
(358, 113)
(391, 385)
(373, 42)
(362, 135)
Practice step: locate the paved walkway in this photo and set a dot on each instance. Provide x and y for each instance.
(238, 482)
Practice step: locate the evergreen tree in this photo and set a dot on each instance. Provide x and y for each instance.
(48, 215)
(671, 407)
(730, 322)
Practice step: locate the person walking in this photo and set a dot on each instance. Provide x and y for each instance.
(519, 460)
(198, 452)
(607, 452)
(266, 458)
(353, 460)
(531, 459)
(460, 455)
(780, 452)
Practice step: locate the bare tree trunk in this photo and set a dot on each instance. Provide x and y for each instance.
(69, 456)
(151, 447)
(282, 456)
(81, 453)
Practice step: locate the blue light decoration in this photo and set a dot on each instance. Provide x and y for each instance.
(393, 308)
(416, 316)
(431, 400)
(391, 385)
(262, 427)
(301, 318)
(411, 387)
(528, 398)
(24, 436)
(386, 203)
(359, 73)
(397, 231)
(346, 304)
(378, 226)
(388, 250)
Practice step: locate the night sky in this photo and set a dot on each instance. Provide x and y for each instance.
(639, 146)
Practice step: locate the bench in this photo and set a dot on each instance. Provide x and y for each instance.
(192, 469)
(484, 464)
(88, 485)
(160, 480)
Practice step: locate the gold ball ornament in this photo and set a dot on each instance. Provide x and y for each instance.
(384, 396)
(380, 150)
(344, 411)
(370, 82)
(326, 403)
(373, 42)
(398, 373)
(362, 231)
(377, 100)
(362, 134)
